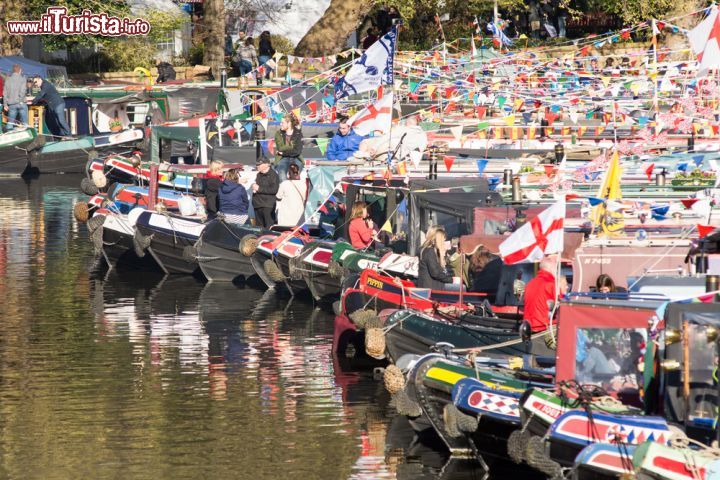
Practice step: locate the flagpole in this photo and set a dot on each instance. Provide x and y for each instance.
(392, 104)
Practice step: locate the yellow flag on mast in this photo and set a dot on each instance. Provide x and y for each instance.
(610, 220)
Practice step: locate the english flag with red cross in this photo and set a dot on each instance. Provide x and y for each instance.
(705, 42)
(374, 118)
(541, 236)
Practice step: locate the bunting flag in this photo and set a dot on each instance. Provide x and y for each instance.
(402, 168)
(457, 132)
(322, 143)
(481, 164)
(481, 112)
(372, 69)
(510, 120)
(705, 230)
(449, 160)
(313, 107)
(705, 42)
(649, 171)
(688, 202)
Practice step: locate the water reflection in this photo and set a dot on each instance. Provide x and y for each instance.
(108, 371)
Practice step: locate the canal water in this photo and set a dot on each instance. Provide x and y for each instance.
(109, 374)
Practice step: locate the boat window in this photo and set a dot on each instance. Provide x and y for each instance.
(703, 371)
(611, 358)
(454, 226)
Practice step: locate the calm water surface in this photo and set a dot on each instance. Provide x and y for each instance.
(112, 374)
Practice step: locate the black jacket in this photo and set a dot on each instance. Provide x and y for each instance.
(430, 273)
(265, 196)
(488, 279)
(48, 94)
(212, 187)
(165, 72)
(265, 48)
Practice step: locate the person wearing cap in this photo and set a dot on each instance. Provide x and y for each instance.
(264, 190)
(55, 104)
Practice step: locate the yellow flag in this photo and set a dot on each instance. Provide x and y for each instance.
(611, 222)
(606, 81)
(431, 90)
(296, 112)
(510, 120)
(387, 227)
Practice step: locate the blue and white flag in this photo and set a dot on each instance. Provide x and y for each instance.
(373, 69)
(498, 33)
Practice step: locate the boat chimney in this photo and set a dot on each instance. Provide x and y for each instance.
(660, 178)
(712, 284)
(516, 190)
(259, 137)
(559, 152)
(223, 77)
(433, 163)
(507, 176)
(691, 141)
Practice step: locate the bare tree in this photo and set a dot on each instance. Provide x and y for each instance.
(329, 34)
(213, 35)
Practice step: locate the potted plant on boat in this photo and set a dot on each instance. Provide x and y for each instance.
(696, 178)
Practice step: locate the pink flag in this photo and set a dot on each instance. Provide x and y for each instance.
(543, 235)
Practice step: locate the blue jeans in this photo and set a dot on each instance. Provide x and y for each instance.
(561, 27)
(17, 113)
(245, 67)
(59, 112)
(262, 60)
(284, 164)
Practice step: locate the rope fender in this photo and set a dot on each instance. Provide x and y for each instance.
(141, 242)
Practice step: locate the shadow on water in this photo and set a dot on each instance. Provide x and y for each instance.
(108, 371)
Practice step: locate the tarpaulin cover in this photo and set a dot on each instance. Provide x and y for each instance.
(170, 133)
(190, 102)
(323, 184)
(30, 68)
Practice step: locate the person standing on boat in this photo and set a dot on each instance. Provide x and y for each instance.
(55, 104)
(264, 190)
(246, 59)
(538, 293)
(288, 146)
(361, 229)
(234, 198)
(14, 93)
(291, 198)
(344, 143)
(265, 52)
(432, 272)
(213, 181)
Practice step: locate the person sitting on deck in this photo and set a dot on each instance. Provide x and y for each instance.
(485, 271)
(213, 180)
(344, 143)
(234, 198)
(538, 293)
(361, 229)
(431, 268)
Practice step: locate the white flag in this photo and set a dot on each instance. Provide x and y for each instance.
(543, 235)
(372, 69)
(374, 118)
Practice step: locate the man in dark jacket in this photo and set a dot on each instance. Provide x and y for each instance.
(55, 104)
(264, 190)
(166, 72)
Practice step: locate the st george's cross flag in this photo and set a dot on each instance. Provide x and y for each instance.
(543, 235)
(372, 69)
(374, 118)
(705, 42)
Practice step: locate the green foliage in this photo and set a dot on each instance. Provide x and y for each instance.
(633, 11)
(125, 55)
(282, 44)
(195, 55)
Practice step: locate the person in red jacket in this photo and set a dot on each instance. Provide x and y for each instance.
(361, 230)
(538, 292)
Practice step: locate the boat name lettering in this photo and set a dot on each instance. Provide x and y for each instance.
(547, 410)
(598, 261)
(374, 283)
